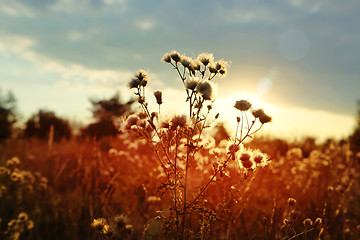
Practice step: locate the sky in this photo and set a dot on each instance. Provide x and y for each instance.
(297, 59)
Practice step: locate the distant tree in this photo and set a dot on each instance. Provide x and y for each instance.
(7, 115)
(104, 112)
(39, 124)
(355, 136)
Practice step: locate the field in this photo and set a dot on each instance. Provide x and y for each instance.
(62, 189)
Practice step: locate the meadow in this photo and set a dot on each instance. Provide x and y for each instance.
(166, 179)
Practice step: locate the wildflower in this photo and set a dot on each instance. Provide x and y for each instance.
(175, 56)
(165, 124)
(291, 202)
(233, 148)
(99, 223)
(191, 83)
(134, 83)
(221, 66)
(158, 96)
(258, 113)
(179, 120)
(142, 77)
(166, 58)
(185, 61)
(30, 224)
(4, 170)
(131, 121)
(205, 58)
(258, 158)
(265, 118)
(247, 164)
(15, 177)
(23, 216)
(205, 88)
(242, 105)
(212, 69)
(106, 230)
(195, 64)
(308, 223)
(121, 220)
(245, 157)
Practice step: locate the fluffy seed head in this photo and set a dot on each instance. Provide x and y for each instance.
(195, 64)
(245, 157)
(158, 96)
(179, 121)
(212, 69)
(205, 58)
(205, 88)
(175, 56)
(258, 113)
(242, 105)
(247, 164)
(166, 58)
(291, 202)
(185, 61)
(308, 223)
(191, 83)
(23, 216)
(233, 148)
(265, 118)
(258, 159)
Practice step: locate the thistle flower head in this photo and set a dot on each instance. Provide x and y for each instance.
(258, 158)
(291, 202)
(179, 121)
(265, 118)
(205, 88)
(158, 96)
(23, 216)
(195, 64)
(205, 58)
(245, 157)
(131, 121)
(212, 69)
(175, 56)
(308, 223)
(242, 105)
(258, 113)
(191, 83)
(134, 83)
(233, 148)
(185, 61)
(247, 164)
(166, 58)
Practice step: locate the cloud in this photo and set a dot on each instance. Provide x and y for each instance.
(15, 9)
(145, 24)
(22, 47)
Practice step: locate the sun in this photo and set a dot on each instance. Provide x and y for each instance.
(225, 106)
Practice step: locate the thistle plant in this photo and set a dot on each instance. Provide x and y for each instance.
(177, 141)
